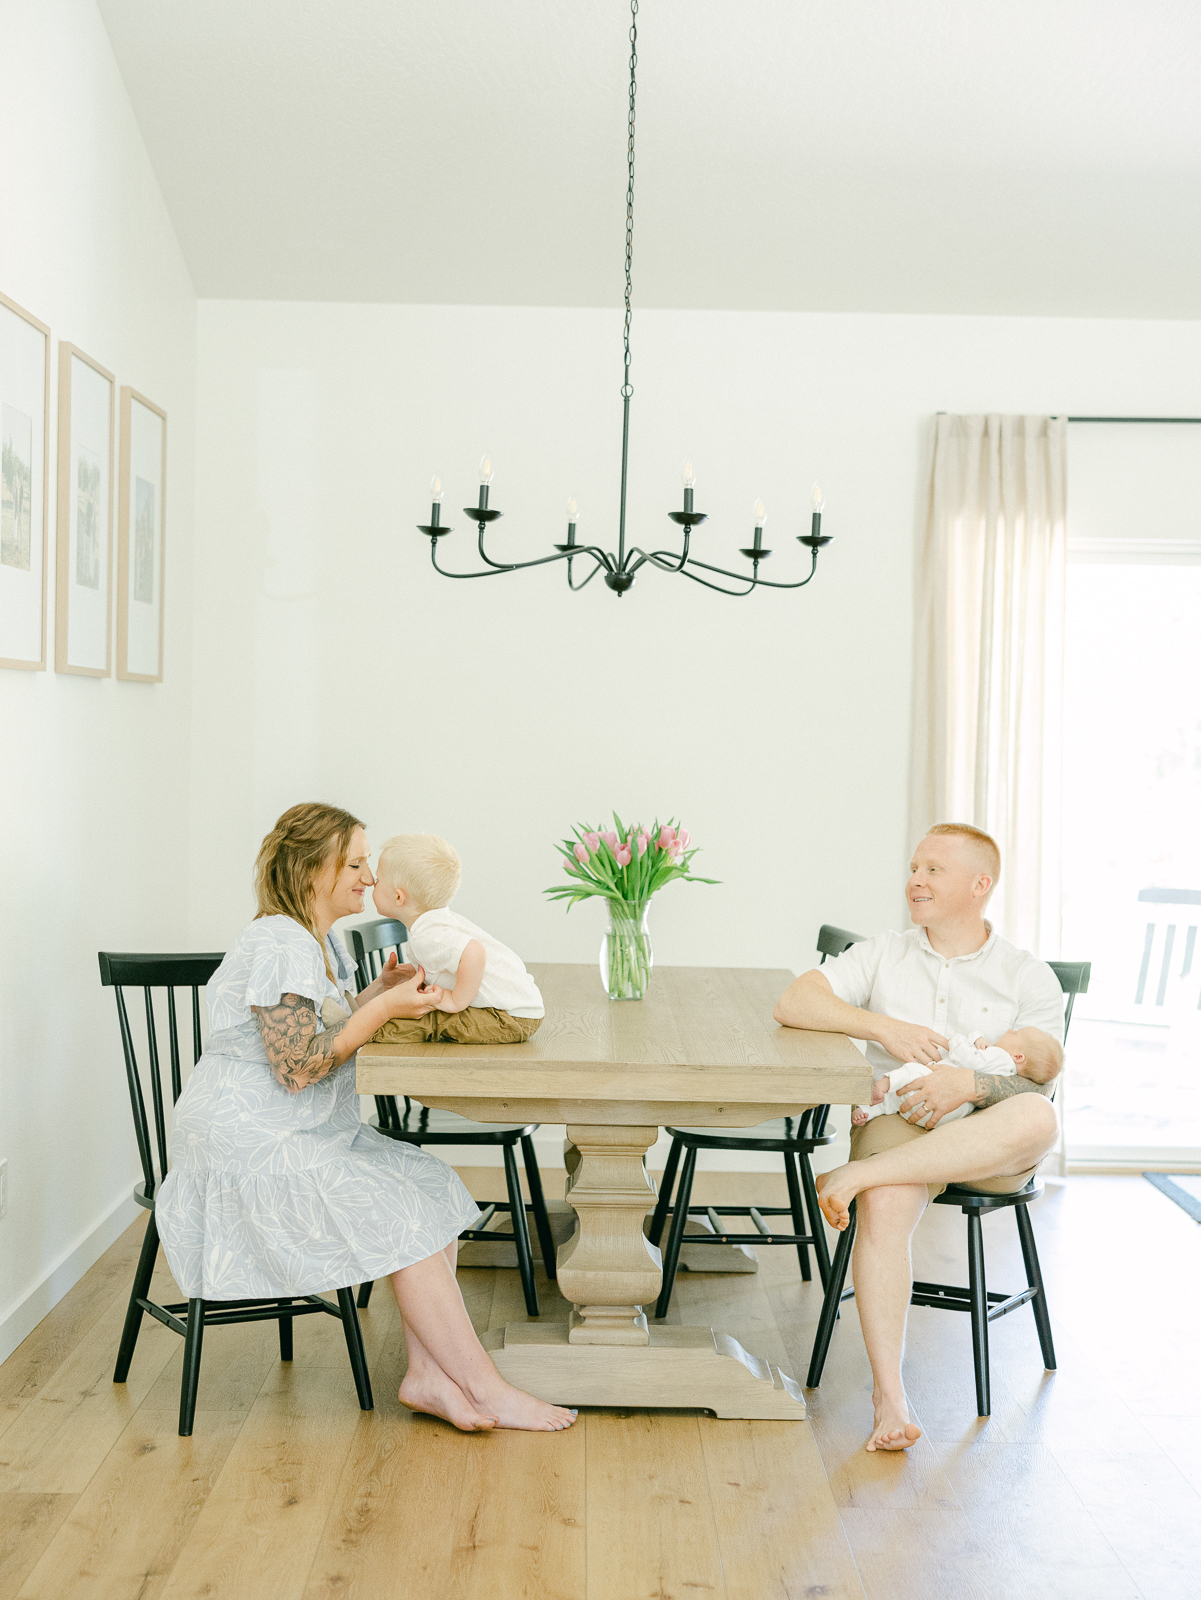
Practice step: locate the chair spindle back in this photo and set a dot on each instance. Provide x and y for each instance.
(369, 943)
(150, 972)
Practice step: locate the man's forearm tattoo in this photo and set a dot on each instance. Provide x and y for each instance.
(298, 1054)
(990, 1089)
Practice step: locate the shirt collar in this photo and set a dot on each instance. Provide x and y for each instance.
(973, 956)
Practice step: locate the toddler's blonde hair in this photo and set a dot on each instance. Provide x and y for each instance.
(1044, 1055)
(424, 866)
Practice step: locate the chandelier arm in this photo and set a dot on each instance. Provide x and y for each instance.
(758, 583)
(516, 566)
(735, 594)
(495, 570)
(576, 587)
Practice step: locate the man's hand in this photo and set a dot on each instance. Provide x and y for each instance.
(929, 1101)
(907, 1041)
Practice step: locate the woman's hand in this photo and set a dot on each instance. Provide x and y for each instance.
(391, 974)
(413, 997)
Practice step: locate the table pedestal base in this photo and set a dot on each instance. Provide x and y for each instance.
(680, 1368)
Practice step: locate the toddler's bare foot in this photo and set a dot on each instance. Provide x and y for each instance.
(893, 1429)
(513, 1408)
(835, 1191)
(431, 1391)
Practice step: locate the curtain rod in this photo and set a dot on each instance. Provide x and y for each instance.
(1117, 419)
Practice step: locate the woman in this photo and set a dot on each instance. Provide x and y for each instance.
(276, 1187)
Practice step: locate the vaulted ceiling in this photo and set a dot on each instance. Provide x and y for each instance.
(1016, 156)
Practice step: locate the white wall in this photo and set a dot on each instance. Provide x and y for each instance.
(93, 804)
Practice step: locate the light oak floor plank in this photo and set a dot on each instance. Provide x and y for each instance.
(651, 1529)
(125, 1531)
(28, 1523)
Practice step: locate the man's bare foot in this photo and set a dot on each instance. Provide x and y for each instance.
(431, 1391)
(835, 1191)
(513, 1408)
(893, 1429)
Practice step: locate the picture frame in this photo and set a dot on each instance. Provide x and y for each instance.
(83, 625)
(24, 486)
(141, 538)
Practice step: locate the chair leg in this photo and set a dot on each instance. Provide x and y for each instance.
(354, 1348)
(798, 1213)
(978, 1292)
(365, 1295)
(521, 1231)
(546, 1238)
(665, 1188)
(285, 1334)
(675, 1239)
(1034, 1277)
(193, 1340)
(833, 1295)
(141, 1287)
(817, 1223)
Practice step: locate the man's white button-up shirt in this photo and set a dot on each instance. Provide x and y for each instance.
(901, 975)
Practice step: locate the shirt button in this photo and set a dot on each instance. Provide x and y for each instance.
(946, 965)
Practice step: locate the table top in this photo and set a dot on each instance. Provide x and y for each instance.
(702, 1034)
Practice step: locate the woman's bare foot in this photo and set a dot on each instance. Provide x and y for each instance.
(835, 1191)
(893, 1429)
(513, 1408)
(430, 1390)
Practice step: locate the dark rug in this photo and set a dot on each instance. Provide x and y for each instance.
(1186, 1201)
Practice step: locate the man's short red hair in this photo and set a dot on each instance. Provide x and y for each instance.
(988, 848)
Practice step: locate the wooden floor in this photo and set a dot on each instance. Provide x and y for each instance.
(1086, 1483)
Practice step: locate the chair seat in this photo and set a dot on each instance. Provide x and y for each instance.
(423, 1125)
(969, 1199)
(780, 1134)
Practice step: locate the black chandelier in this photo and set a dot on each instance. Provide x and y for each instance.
(620, 570)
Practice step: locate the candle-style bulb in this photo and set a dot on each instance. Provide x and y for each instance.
(760, 513)
(573, 510)
(486, 469)
(819, 504)
(688, 473)
(436, 489)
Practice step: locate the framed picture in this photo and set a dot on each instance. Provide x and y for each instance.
(24, 486)
(83, 613)
(141, 537)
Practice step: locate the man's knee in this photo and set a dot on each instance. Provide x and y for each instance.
(1038, 1122)
(890, 1208)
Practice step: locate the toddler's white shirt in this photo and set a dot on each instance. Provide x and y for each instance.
(436, 942)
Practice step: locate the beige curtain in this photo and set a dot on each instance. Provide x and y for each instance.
(988, 682)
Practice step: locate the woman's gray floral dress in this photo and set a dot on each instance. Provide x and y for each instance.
(275, 1194)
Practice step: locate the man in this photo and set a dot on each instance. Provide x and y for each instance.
(904, 993)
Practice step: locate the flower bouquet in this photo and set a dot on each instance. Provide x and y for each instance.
(626, 868)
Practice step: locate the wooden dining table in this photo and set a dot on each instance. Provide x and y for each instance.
(700, 1050)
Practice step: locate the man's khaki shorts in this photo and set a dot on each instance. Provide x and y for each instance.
(475, 1025)
(890, 1132)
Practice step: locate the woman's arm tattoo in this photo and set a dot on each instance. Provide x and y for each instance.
(990, 1089)
(298, 1054)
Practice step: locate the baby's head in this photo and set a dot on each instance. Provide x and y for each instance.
(417, 872)
(1037, 1055)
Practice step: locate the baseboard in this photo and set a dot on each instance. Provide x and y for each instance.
(23, 1316)
(1128, 1168)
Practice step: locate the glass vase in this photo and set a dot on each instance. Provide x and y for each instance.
(626, 957)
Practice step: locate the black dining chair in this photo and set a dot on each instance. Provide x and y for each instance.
(794, 1139)
(171, 972)
(369, 944)
(982, 1304)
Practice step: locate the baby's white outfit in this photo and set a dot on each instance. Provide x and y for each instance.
(960, 1052)
(436, 942)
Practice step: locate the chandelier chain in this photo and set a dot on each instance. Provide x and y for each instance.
(626, 388)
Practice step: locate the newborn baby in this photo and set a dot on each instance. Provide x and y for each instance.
(1023, 1052)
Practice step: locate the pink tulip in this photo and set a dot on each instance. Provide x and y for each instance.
(666, 837)
(685, 838)
(581, 855)
(643, 841)
(610, 839)
(623, 855)
(592, 840)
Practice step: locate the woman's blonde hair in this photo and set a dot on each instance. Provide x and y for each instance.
(424, 866)
(292, 855)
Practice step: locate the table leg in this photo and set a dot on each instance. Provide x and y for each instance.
(609, 1270)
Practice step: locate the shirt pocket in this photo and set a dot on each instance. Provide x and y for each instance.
(991, 1018)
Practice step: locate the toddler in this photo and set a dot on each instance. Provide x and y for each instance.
(490, 997)
(1024, 1052)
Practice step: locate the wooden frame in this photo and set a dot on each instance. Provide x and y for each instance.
(28, 663)
(63, 577)
(130, 398)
